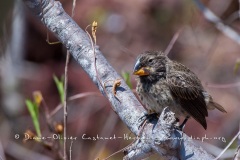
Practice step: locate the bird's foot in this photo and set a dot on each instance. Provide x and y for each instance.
(181, 127)
(148, 117)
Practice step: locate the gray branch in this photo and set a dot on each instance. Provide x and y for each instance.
(237, 155)
(211, 17)
(158, 137)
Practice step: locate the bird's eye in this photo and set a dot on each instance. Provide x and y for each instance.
(150, 60)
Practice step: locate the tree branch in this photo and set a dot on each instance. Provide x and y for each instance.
(162, 137)
(210, 16)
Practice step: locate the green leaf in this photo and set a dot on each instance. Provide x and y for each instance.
(36, 109)
(60, 87)
(127, 78)
(33, 110)
(236, 67)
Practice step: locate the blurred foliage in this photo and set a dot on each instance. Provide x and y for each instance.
(33, 108)
(98, 14)
(60, 86)
(127, 79)
(236, 66)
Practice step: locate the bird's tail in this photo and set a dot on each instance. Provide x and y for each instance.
(213, 105)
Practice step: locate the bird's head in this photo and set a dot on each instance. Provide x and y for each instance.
(150, 65)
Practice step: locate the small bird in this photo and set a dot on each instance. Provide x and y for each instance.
(163, 82)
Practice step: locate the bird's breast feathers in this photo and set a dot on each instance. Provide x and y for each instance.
(155, 97)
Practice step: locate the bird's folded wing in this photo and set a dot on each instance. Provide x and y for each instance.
(188, 92)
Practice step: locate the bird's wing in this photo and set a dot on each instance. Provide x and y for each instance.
(186, 87)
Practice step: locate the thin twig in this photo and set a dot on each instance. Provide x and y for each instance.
(172, 42)
(47, 40)
(237, 154)
(47, 115)
(65, 96)
(107, 129)
(214, 150)
(77, 96)
(95, 58)
(121, 150)
(70, 150)
(140, 133)
(233, 17)
(51, 43)
(229, 144)
(65, 107)
(18, 151)
(210, 16)
(73, 7)
(94, 29)
(85, 94)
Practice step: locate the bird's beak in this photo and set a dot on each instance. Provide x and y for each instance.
(139, 70)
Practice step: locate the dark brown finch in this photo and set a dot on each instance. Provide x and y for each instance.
(163, 82)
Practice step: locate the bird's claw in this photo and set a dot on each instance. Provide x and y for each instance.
(147, 117)
(181, 127)
(143, 118)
